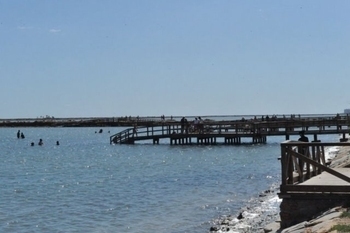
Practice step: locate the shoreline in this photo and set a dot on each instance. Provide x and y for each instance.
(262, 208)
(251, 219)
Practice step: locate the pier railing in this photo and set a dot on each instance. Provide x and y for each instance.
(143, 133)
(303, 160)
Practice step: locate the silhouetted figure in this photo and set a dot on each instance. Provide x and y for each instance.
(182, 124)
(303, 149)
(303, 138)
(200, 125)
(134, 131)
(18, 134)
(40, 143)
(57, 143)
(32, 144)
(22, 135)
(101, 130)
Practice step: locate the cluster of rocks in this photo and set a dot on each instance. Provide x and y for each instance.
(250, 219)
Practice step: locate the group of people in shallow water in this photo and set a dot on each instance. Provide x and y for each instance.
(20, 134)
(40, 143)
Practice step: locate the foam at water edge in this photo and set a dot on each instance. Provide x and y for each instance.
(331, 152)
(253, 217)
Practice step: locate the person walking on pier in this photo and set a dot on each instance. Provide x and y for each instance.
(134, 131)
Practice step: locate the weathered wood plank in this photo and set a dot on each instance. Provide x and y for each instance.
(320, 166)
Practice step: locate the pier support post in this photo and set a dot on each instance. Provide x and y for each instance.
(156, 141)
(344, 139)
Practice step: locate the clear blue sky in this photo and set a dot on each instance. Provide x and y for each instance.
(114, 58)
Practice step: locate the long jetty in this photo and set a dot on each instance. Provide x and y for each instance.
(233, 131)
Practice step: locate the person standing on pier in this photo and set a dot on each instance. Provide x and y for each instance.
(303, 138)
(186, 125)
(304, 150)
(182, 124)
(195, 124)
(200, 125)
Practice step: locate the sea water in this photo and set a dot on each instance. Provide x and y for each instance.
(87, 185)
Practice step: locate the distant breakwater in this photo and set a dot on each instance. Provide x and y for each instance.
(129, 121)
(89, 122)
(100, 122)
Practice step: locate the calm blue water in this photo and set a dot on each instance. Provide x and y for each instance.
(87, 185)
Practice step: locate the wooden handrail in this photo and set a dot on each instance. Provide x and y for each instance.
(318, 165)
(298, 167)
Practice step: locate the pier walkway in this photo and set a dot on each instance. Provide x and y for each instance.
(310, 184)
(232, 132)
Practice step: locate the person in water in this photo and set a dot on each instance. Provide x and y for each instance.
(18, 134)
(22, 135)
(40, 143)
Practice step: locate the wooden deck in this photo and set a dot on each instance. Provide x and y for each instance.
(310, 184)
(327, 179)
(310, 173)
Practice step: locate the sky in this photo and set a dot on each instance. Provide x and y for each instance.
(111, 58)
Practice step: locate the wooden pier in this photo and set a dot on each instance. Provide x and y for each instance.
(232, 132)
(310, 184)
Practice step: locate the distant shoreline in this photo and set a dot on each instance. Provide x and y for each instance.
(129, 121)
(64, 124)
